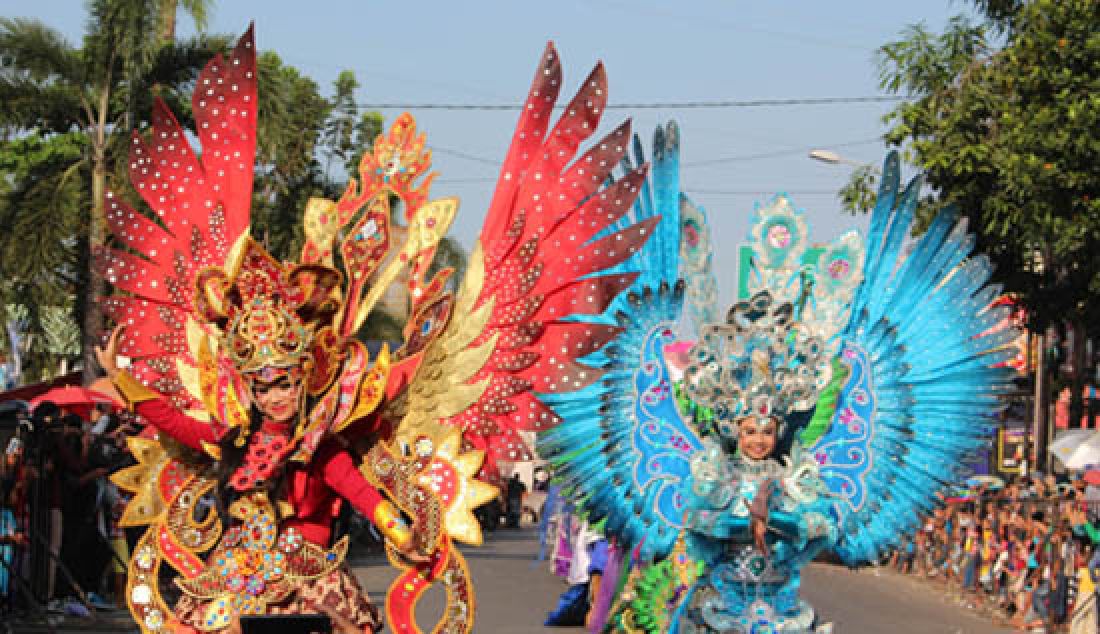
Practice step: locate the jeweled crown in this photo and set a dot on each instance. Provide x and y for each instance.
(759, 362)
(267, 312)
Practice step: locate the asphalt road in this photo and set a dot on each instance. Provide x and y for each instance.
(870, 600)
(514, 596)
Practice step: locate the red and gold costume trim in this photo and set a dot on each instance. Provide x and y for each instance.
(133, 391)
(389, 522)
(257, 565)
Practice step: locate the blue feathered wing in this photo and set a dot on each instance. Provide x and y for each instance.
(924, 362)
(623, 448)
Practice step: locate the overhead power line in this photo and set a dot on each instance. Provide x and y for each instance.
(668, 105)
(463, 155)
(756, 192)
(687, 189)
(686, 165)
(778, 153)
(460, 181)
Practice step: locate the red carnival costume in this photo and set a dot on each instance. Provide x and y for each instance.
(212, 321)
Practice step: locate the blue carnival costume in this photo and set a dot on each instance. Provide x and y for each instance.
(874, 368)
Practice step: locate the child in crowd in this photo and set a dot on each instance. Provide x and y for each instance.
(971, 557)
(11, 539)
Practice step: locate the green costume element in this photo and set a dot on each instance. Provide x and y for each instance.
(652, 594)
(826, 405)
(702, 416)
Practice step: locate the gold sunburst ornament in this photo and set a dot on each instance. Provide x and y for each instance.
(451, 475)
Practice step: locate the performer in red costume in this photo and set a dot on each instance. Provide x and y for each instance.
(259, 395)
(252, 463)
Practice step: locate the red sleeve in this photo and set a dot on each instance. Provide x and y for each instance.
(340, 474)
(170, 420)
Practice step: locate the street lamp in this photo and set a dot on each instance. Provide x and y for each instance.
(832, 158)
(859, 191)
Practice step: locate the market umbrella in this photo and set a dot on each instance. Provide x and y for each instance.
(1077, 448)
(959, 494)
(990, 482)
(73, 396)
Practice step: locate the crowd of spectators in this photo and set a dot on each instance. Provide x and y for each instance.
(1024, 553)
(58, 507)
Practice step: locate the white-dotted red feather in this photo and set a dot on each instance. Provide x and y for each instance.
(542, 267)
(201, 206)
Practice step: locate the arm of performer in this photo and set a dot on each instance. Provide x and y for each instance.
(730, 526)
(150, 405)
(342, 476)
(1082, 526)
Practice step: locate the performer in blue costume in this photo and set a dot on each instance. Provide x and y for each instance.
(823, 412)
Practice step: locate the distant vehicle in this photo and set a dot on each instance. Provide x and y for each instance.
(489, 514)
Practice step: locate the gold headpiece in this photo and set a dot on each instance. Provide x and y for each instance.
(266, 335)
(266, 311)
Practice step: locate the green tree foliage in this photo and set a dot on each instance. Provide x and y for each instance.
(291, 119)
(43, 173)
(62, 337)
(41, 252)
(340, 129)
(859, 194)
(349, 132)
(51, 88)
(367, 129)
(199, 10)
(1004, 122)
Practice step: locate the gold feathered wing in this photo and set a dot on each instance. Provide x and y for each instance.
(444, 386)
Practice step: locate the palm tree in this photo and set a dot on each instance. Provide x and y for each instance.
(199, 10)
(50, 87)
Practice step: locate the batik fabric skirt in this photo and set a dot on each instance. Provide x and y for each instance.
(338, 592)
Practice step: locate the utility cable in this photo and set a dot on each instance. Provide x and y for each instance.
(777, 153)
(463, 155)
(751, 192)
(703, 163)
(669, 105)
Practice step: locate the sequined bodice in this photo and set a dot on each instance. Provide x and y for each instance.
(267, 451)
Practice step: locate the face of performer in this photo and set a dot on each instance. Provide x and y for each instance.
(756, 437)
(277, 399)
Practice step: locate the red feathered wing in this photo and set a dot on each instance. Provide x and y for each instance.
(540, 270)
(201, 205)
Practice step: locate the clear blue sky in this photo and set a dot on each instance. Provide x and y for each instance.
(485, 52)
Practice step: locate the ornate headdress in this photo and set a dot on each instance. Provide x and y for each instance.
(770, 358)
(818, 280)
(267, 312)
(758, 363)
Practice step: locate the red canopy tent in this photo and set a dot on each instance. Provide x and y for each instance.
(30, 392)
(73, 395)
